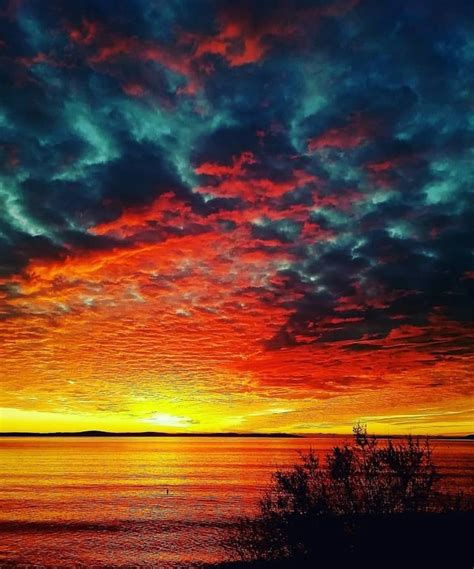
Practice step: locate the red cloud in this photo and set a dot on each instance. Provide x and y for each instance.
(86, 34)
(104, 46)
(219, 170)
(355, 133)
(241, 39)
(133, 89)
(238, 42)
(237, 181)
(165, 210)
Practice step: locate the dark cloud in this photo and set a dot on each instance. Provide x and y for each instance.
(353, 119)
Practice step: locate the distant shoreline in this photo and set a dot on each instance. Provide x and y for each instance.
(151, 434)
(99, 434)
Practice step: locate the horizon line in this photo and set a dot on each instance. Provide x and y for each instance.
(223, 434)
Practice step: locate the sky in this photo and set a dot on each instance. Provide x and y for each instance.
(236, 216)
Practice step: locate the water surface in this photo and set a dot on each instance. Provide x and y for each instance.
(162, 502)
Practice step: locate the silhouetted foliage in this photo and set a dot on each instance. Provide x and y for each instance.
(319, 505)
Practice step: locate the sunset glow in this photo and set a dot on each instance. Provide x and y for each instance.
(238, 216)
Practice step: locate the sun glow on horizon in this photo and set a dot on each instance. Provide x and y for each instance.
(429, 423)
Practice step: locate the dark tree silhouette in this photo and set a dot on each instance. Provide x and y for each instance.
(326, 509)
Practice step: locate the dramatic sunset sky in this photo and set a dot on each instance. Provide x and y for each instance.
(236, 215)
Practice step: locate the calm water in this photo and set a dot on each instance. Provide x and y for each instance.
(161, 502)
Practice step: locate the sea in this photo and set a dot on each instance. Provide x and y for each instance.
(150, 502)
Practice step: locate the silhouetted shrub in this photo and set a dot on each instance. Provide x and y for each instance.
(317, 506)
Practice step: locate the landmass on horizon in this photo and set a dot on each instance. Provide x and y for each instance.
(95, 433)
